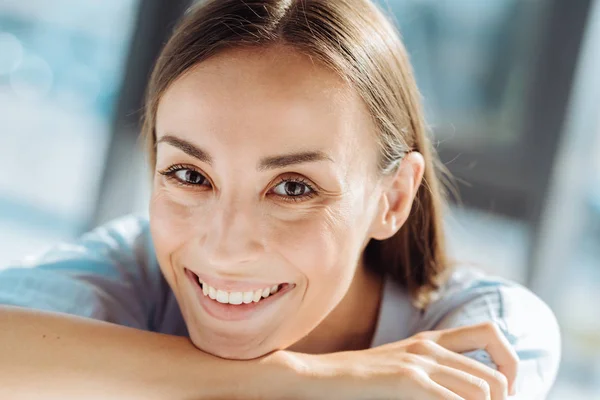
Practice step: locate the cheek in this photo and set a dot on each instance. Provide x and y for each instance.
(327, 252)
(323, 247)
(171, 225)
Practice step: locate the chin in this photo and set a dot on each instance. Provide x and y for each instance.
(246, 351)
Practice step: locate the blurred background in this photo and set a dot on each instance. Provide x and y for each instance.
(511, 90)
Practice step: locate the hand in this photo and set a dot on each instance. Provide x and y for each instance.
(424, 366)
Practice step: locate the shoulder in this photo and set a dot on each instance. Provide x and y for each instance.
(109, 273)
(122, 238)
(470, 297)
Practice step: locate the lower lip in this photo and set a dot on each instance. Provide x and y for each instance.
(233, 312)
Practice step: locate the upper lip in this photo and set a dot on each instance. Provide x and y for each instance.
(230, 285)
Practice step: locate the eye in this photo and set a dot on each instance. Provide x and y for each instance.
(294, 189)
(190, 177)
(185, 176)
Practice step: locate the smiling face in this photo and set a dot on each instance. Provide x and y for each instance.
(265, 175)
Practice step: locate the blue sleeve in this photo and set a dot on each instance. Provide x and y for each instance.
(525, 320)
(109, 274)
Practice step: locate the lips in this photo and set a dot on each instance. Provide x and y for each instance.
(230, 306)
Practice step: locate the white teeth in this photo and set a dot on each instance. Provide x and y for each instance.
(222, 297)
(248, 297)
(235, 298)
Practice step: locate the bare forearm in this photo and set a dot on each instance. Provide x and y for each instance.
(47, 355)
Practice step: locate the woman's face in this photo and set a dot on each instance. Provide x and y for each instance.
(265, 176)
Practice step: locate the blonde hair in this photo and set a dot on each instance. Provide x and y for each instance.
(354, 39)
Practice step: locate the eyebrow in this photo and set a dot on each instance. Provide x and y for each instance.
(266, 163)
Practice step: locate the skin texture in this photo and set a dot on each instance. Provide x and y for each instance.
(239, 223)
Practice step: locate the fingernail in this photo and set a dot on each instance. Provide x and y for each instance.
(513, 391)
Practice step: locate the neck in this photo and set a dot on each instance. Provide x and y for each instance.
(351, 325)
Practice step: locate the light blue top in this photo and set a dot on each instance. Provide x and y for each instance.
(112, 274)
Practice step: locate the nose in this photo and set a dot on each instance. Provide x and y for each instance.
(232, 236)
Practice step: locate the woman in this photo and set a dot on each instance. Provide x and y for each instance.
(294, 247)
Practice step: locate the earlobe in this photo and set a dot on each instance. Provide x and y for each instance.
(398, 196)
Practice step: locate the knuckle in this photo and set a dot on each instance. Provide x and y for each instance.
(481, 388)
(423, 362)
(491, 328)
(501, 379)
(422, 346)
(421, 335)
(411, 373)
(498, 381)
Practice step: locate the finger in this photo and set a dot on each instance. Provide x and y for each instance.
(498, 382)
(467, 386)
(428, 389)
(441, 392)
(485, 336)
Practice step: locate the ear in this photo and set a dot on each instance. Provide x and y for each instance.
(397, 196)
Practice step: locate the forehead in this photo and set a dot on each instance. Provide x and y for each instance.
(264, 99)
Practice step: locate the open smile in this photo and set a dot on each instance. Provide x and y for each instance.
(230, 305)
